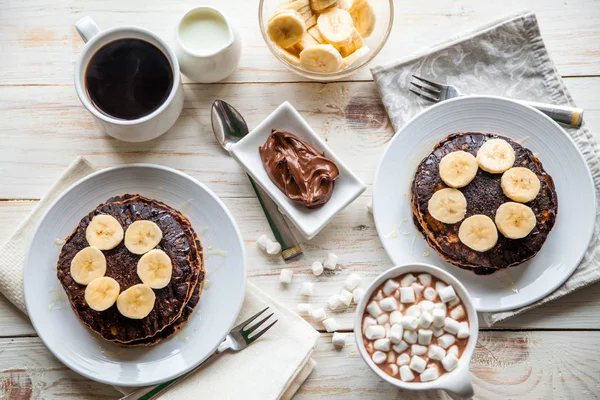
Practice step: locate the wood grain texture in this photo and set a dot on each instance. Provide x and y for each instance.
(43, 44)
(45, 128)
(353, 237)
(506, 365)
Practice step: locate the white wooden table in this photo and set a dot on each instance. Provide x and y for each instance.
(551, 352)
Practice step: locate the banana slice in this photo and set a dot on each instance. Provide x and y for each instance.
(447, 205)
(136, 302)
(307, 41)
(515, 220)
(321, 58)
(355, 44)
(478, 232)
(297, 5)
(87, 265)
(336, 27)
(104, 232)
(314, 32)
(286, 28)
(520, 184)
(102, 293)
(356, 57)
(363, 16)
(155, 269)
(142, 236)
(320, 5)
(458, 169)
(290, 55)
(496, 156)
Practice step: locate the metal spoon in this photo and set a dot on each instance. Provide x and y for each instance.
(229, 128)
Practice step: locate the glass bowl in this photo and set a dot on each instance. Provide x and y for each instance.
(384, 12)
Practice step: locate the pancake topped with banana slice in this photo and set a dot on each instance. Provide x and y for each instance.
(132, 268)
(483, 202)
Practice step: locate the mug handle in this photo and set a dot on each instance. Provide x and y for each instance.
(87, 28)
(460, 388)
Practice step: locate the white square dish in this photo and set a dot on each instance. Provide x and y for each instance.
(308, 221)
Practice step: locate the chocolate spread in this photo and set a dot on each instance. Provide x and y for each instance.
(298, 170)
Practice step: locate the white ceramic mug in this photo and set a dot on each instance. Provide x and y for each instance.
(137, 130)
(209, 67)
(456, 383)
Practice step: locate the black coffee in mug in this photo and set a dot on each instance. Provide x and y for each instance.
(128, 78)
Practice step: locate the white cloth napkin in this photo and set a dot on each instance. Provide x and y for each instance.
(505, 58)
(274, 367)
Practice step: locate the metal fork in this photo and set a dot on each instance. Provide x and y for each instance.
(237, 340)
(436, 92)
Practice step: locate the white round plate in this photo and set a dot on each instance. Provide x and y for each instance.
(86, 352)
(566, 244)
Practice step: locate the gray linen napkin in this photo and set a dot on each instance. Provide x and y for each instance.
(505, 58)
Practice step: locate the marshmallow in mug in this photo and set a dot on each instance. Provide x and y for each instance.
(415, 328)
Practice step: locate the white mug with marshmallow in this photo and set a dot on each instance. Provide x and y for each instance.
(456, 383)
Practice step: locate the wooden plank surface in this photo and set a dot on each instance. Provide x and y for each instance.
(42, 43)
(506, 365)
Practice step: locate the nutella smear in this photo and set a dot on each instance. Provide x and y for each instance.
(298, 170)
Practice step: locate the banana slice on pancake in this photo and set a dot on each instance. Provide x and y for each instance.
(515, 220)
(478, 232)
(363, 16)
(155, 269)
(520, 184)
(336, 26)
(104, 232)
(458, 169)
(496, 156)
(88, 264)
(286, 28)
(136, 302)
(142, 236)
(321, 58)
(102, 293)
(448, 205)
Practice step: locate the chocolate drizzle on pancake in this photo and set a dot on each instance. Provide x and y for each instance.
(484, 195)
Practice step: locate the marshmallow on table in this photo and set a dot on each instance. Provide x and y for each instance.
(318, 314)
(396, 333)
(403, 359)
(451, 326)
(394, 368)
(338, 339)
(457, 313)
(430, 374)
(352, 282)
(379, 357)
(417, 364)
(285, 276)
(262, 242)
(424, 337)
(436, 353)
(417, 288)
(382, 319)
(395, 317)
(388, 304)
(463, 330)
(357, 295)
(410, 337)
(446, 340)
(382, 344)
(370, 206)
(430, 293)
(409, 323)
(331, 261)
(406, 374)
(307, 289)
(413, 311)
(303, 309)
(437, 332)
(334, 302)
(453, 350)
(273, 248)
(447, 294)
(439, 317)
(425, 320)
(330, 324)
(407, 294)
(400, 347)
(345, 297)
(425, 279)
(375, 332)
(374, 309)
(418, 350)
(390, 286)
(317, 268)
(450, 362)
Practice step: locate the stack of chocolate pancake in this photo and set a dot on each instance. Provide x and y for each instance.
(484, 195)
(174, 303)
